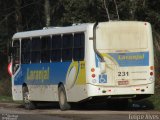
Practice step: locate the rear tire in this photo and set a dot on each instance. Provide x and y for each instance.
(29, 105)
(64, 105)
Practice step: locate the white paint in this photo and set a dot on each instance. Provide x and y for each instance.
(71, 78)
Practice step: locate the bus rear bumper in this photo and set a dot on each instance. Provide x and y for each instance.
(135, 92)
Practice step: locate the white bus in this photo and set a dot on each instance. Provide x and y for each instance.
(106, 60)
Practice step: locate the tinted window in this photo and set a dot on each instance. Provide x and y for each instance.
(56, 48)
(67, 54)
(67, 47)
(56, 42)
(16, 52)
(67, 41)
(78, 52)
(56, 55)
(36, 50)
(45, 49)
(26, 47)
(16, 55)
(79, 40)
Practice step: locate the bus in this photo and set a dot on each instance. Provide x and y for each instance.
(84, 62)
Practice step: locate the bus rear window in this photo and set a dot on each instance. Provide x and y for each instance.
(122, 36)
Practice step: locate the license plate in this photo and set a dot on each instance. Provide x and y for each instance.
(123, 82)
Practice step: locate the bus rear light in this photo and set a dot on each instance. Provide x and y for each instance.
(93, 75)
(151, 73)
(151, 67)
(92, 70)
(10, 69)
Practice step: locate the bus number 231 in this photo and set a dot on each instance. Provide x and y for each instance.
(123, 73)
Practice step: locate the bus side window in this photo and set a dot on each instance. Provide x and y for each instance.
(26, 51)
(36, 50)
(78, 51)
(16, 55)
(45, 49)
(56, 48)
(67, 47)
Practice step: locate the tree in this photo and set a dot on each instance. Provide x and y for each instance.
(47, 13)
(18, 15)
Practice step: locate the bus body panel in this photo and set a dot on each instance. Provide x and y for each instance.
(128, 71)
(94, 90)
(44, 78)
(16, 89)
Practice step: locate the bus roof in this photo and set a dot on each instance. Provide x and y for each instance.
(52, 30)
(62, 30)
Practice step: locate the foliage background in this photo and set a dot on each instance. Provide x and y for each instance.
(23, 15)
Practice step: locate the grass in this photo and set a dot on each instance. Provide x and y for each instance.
(155, 99)
(6, 99)
(151, 103)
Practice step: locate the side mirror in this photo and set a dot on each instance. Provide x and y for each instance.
(102, 67)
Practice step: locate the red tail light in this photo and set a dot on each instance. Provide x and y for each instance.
(151, 73)
(92, 70)
(93, 75)
(10, 69)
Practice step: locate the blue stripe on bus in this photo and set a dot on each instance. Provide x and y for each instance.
(42, 74)
(129, 59)
(97, 60)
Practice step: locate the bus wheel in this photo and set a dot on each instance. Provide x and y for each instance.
(27, 103)
(64, 105)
